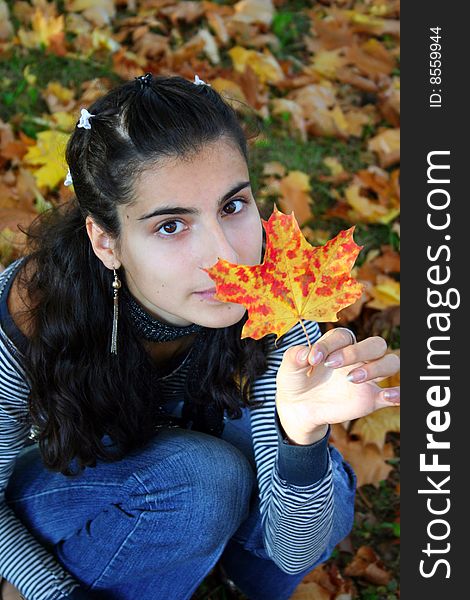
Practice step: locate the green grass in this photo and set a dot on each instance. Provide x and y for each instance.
(21, 100)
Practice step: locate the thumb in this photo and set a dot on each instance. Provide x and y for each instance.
(296, 357)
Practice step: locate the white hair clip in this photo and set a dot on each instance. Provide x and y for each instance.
(198, 81)
(85, 119)
(68, 179)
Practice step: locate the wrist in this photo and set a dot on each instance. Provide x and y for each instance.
(296, 438)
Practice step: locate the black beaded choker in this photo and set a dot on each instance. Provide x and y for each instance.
(150, 328)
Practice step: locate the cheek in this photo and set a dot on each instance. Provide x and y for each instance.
(250, 243)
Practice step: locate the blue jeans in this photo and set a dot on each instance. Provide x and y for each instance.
(153, 525)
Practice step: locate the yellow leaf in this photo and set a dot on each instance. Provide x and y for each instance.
(57, 89)
(64, 120)
(386, 293)
(373, 428)
(48, 153)
(295, 188)
(44, 29)
(336, 168)
(368, 210)
(356, 119)
(340, 120)
(326, 62)
(263, 64)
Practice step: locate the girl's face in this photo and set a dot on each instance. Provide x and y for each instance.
(189, 214)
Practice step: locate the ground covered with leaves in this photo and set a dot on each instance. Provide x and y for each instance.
(317, 85)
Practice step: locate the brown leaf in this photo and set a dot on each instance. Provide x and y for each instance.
(387, 146)
(367, 460)
(324, 579)
(6, 27)
(185, 10)
(372, 58)
(295, 188)
(366, 564)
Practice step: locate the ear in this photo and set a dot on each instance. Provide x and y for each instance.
(103, 244)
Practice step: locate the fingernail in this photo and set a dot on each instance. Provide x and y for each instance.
(357, 376)
(317, 357)
(302, 355)
(392, 396)
(333, 361)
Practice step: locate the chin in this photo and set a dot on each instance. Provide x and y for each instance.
(221, 316)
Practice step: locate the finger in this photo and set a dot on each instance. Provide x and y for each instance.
(330, 342)
(383, 367)
(369, 349)
(388, 397)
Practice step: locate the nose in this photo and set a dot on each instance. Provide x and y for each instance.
(215, 245)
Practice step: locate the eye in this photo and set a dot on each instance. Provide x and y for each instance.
(168, 228)
(232, 203)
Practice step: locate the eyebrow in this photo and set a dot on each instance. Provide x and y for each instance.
(180, 210)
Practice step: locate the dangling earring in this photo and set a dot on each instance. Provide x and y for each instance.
(116, 285)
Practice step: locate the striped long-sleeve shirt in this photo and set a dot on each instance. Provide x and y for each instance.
(306, 492)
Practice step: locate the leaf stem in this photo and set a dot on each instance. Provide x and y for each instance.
(306, 334)
(310, 371)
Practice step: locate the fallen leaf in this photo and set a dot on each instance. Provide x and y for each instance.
(371, 58)
(296, 281)
(310, 591)
(373, 428)
(185, 10)
(98, 12)
(367, 461)
(6, 28)
(385, 293)
(297, 121)
(46, 31)
(295, 195)
(48, 153)
(254, 11)
(264, 64)
(274, 168)
(325, 581)
(327, 62)
(58, 98)
(366, 209)
(366, 564)
(387, 146)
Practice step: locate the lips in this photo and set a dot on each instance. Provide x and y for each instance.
(209, 291)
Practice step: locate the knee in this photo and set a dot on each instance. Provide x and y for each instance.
(209, 479)
(222, 487)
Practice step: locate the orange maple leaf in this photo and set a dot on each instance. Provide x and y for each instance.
(296, 280)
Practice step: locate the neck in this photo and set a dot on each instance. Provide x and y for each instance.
(163, 352)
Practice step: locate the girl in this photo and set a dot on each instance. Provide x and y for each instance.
(142, 441)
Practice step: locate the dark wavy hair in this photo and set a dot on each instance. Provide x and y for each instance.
(79, 391)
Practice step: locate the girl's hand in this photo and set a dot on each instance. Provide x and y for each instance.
(341, 387)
